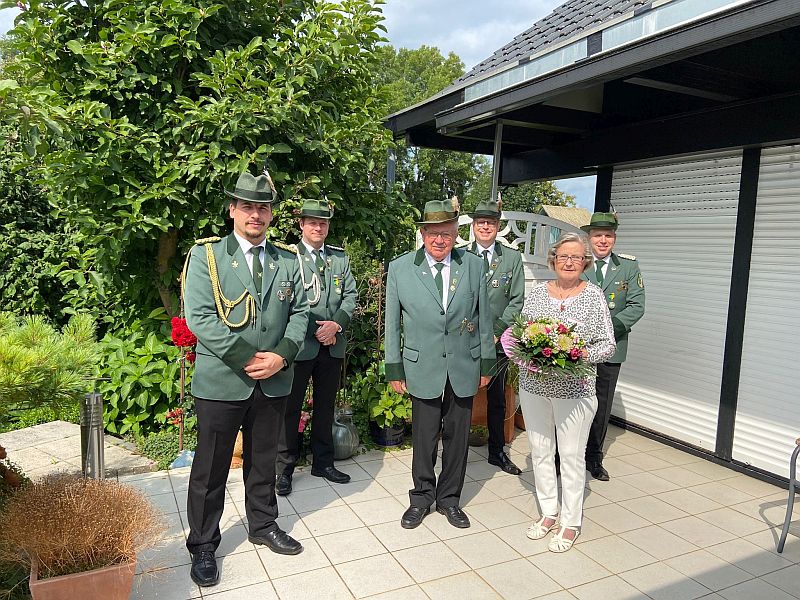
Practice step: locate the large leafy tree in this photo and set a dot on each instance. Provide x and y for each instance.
(527, 197)
(142, 112)
(408, 77)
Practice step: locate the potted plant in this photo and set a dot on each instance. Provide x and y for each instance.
(388, 413)
(478, 435)
(79, 537)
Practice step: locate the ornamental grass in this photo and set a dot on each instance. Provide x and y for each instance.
(69, 525)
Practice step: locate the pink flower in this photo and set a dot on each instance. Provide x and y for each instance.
(304, 419)
(548, 352)
(575, 353)
(562, 328)
(548, 329)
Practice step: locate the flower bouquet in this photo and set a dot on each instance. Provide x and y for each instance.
(546, 347)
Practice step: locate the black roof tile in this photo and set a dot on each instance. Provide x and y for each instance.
(568, 20)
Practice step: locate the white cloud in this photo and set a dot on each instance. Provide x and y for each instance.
(465, 27)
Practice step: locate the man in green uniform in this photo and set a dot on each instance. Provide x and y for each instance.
(244, 301)
(619, 277)
(439, 348)
(331, 292)
(506, 286)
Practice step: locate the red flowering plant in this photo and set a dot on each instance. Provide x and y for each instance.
(546, 347)
(304, 426)
(182, 337)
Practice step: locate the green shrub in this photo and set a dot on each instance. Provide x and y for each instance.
(143, 385)
(70, 412)
(163, 446)
(42, 368)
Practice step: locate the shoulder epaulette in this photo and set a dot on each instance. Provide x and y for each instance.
(627, 256)
(288, 247)
(334, 248)
(208, 240)
(463, 244)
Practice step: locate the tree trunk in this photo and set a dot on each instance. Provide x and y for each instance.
(167, 248)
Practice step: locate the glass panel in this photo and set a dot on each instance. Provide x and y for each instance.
(536, 67)
(660, 19)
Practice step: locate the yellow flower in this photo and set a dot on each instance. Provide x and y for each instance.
(564, 342)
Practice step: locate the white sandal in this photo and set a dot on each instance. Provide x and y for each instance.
(538, 530)
(558, 543)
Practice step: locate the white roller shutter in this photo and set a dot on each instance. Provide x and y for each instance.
(768, 411)
(678, 217)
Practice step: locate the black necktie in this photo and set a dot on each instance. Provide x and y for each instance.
(257, 268)
(439, 281)
(320, 267)
(486, 259)
(598, 272)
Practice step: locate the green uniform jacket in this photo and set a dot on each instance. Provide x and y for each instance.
(437, 344)
(505, 282)
(623, 288)
(336, 303)
(280, 324)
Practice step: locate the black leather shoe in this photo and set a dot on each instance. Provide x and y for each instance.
(278, 541)
(283, 485)
(501, 460)
(597, 471)
(413, 517)
(204, 569)
(331, 474)
(456, 516)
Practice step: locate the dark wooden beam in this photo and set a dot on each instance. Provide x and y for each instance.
(752, 123)
(427, 138)
(423, 114)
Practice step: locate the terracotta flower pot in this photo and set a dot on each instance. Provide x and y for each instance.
(109, 583)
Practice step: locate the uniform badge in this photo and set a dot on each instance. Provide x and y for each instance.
(338, 290)
(612, 305)
(235, 264)
(640, 281)
(289, 293)
(623, 285)
(272, 266)
(471, 327)
(281, 296)
(495, 283)
(307, 259)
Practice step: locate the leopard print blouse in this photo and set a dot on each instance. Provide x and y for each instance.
(589, 312)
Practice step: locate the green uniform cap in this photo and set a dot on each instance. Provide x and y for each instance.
(319, 209)
(487, 208)
(601, 220)
(253, 189)
(439, 211)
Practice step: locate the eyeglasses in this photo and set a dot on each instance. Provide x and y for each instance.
(446, 237)
(486, 223)
(562, 258)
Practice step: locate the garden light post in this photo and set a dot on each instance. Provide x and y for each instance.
(92, 440)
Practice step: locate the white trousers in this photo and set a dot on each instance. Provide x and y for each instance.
(568, 421)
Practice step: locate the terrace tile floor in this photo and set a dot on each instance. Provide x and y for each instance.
(668, 526)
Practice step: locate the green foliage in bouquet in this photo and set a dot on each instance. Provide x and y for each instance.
(42, 367)
(546, 347)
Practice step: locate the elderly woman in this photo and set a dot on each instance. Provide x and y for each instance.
(561, 408)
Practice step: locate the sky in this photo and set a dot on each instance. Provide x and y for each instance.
(464, 27)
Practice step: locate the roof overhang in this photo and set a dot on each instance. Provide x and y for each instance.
(553, 113)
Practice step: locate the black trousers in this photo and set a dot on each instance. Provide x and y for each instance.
(607, 375)
(260, 418)
(496, 407)
(451, 415)
(324, 370)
